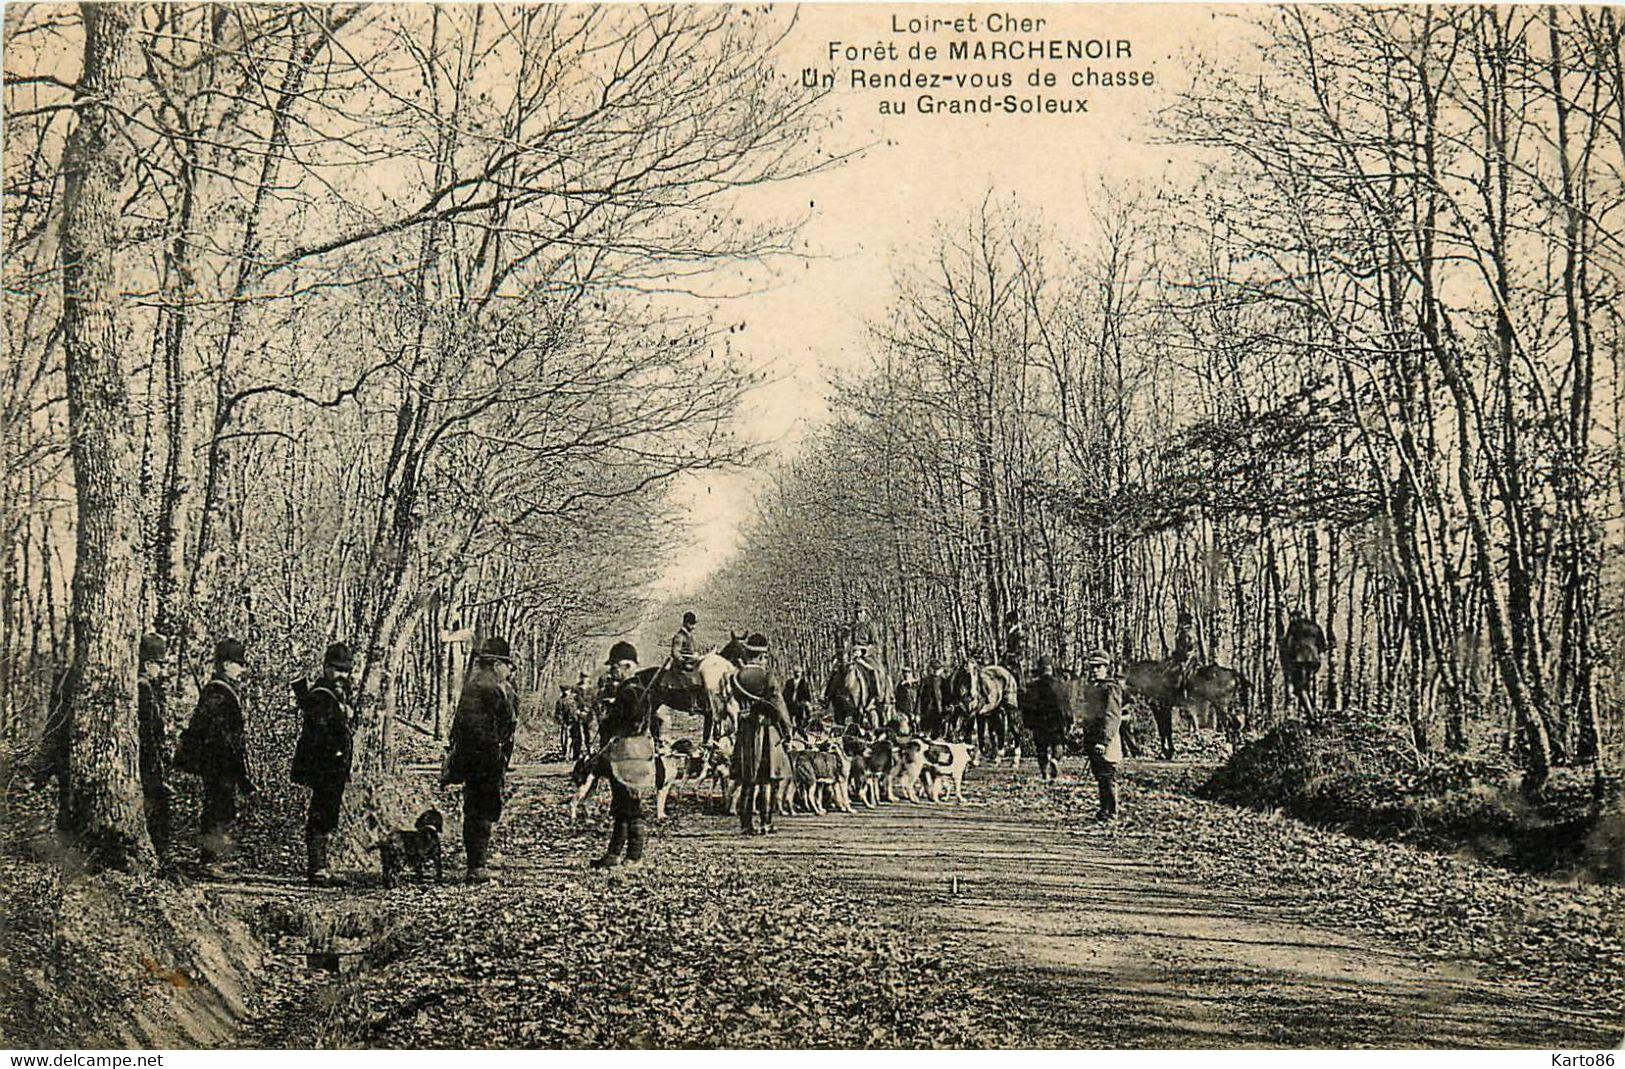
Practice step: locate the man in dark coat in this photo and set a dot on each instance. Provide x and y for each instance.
(1047, 709)
(761, 764)
(798, 698)
(627, 758)
(155, 789)
(1102, 730)
(322, 756)
(480, 747)
(214, 748)
(929, 702)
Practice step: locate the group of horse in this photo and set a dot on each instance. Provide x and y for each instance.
(981, 702)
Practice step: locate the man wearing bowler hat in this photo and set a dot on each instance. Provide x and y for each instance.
(322, 756)
(628, 756)
(480, 748)
(214, 748)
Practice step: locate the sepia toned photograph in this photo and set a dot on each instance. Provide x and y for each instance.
(834, 526)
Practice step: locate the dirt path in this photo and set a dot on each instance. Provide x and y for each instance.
(1156, 961)
(1022, 928)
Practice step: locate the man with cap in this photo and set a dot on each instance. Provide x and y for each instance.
(760, 762)
(1102, 729)
(322, 756)
(480, 747)
(214, 748)
(1047, 710)
(150, 724)
(627, 758)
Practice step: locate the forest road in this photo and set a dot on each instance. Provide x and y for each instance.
(1152, 960)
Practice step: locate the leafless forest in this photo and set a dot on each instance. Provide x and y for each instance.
(1368, 366)
(407, 325)
(361, 321)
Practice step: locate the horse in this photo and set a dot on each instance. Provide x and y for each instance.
(986, 695)
(668, 689)
(858, 696)
(1166, 685)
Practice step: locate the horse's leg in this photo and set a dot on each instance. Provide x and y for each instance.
(1164, 714)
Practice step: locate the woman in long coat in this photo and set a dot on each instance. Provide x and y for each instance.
(761, 764)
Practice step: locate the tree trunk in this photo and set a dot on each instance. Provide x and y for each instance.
(104, 800)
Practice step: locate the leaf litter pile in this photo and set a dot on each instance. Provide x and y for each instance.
(702, 946)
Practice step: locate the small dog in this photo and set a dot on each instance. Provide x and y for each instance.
(944, 765)
(417, 848)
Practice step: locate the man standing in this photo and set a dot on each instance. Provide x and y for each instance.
(628, 758)
(481, 746)
(323, 755)
(214, 748)
(567, 717)
(760, 763)
(798, 698)
(929, 703)
(155, 788)
(1102, 729)
(1047, 709)
(904, 698)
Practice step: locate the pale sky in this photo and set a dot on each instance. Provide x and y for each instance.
(877, 213)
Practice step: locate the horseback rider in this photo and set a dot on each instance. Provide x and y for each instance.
(1015, 643)
(684, 666)
(860, 639)
(1179, 661)
(1303, 645)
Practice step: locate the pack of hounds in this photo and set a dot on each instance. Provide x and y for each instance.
(827, 771)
